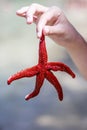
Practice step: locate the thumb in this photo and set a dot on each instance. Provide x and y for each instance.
(50, 30)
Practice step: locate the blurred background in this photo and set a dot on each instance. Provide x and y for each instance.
(19, 50)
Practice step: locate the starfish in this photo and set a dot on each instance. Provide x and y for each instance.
(43, 71)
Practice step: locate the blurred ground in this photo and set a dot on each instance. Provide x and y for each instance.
(19, 50)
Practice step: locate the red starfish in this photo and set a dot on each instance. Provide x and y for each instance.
(43, 70)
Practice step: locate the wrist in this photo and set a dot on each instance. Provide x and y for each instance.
(76, 42)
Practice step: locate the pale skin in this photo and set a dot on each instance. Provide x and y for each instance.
(53, 23)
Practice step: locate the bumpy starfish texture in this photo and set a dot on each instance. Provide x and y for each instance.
(43, 71)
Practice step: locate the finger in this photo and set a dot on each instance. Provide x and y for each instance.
(30, 14)
(56, 29)
(48, 18)
(34, 11)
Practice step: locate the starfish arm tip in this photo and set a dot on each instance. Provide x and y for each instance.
(73, 75)
(61, 98)
(9, 81)
(27, 97)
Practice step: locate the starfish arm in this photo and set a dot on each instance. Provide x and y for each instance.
(42, 51)
(55, 66)
(52, 66)
(29, 72)
(53, 80)
(39, 83)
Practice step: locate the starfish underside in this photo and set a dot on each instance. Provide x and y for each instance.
(43, 71)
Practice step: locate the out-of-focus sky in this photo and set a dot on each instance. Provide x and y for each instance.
(19, 50)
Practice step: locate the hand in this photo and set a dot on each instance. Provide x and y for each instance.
(51, 21)
(33, 14)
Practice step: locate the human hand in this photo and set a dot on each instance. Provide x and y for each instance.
(51, 21)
